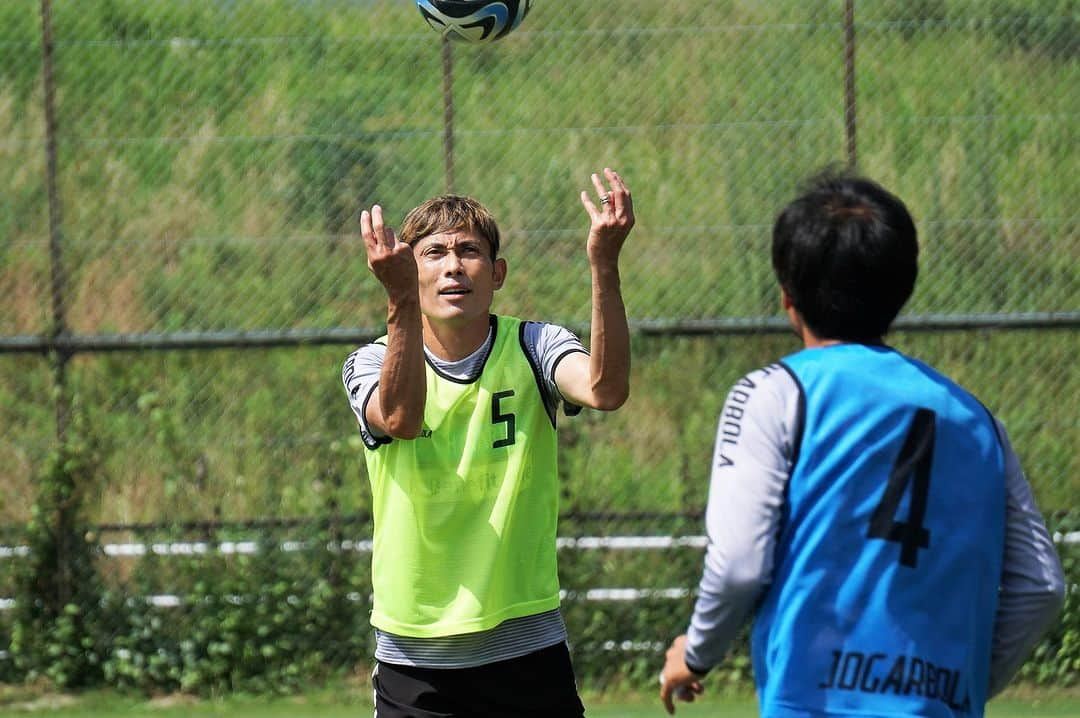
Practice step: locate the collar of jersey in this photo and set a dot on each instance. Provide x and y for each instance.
(486, 347)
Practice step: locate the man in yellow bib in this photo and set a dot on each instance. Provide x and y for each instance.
(457, 410)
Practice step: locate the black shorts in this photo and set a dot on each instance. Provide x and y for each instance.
(540, 684)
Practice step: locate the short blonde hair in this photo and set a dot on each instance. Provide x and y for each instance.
(451, 213)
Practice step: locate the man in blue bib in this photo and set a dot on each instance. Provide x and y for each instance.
(868, 512)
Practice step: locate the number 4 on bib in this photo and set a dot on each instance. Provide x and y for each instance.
(910, 471)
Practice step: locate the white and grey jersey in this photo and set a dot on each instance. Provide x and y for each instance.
(546, 344)
(757, 445)
(512, 638)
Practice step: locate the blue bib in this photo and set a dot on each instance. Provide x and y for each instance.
(889, 558)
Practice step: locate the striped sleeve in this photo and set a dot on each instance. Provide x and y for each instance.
(360, 376)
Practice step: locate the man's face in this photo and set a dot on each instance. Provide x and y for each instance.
(458, 277)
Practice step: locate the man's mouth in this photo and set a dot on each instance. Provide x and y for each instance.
(453, 291)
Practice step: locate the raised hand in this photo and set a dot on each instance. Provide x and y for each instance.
(390, 260)
(601, 379)
(612, 221)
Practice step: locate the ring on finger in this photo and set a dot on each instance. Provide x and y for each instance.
(604, 199)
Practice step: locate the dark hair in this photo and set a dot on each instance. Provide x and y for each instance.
(846, 252)
(450, 213)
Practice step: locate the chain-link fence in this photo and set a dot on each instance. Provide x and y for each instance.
(178, 242)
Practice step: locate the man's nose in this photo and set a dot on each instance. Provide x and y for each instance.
(453, 263)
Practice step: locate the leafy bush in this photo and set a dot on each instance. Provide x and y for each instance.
(57, 630)
(244, 623)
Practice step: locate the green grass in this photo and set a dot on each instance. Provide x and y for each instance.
(349, 703)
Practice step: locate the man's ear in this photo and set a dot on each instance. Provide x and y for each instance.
(499, 271)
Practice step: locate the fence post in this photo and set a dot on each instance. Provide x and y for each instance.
(849, 83)
(448, 111)
(58, 278)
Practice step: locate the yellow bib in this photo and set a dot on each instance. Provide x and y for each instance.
(465, 515)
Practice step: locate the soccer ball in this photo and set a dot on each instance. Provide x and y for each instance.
(474, 20)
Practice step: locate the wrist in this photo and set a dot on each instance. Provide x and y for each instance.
(605, 273)
(699, 671)
(403, 296)
(604, 261)
(693, 662)
(402, 309)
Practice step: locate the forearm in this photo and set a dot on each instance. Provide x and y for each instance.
(720, 611)
(1022, 621)
(609, 360)
(1032, 580)
(402, 382)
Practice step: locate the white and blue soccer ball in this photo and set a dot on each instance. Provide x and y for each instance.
(474, 20)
